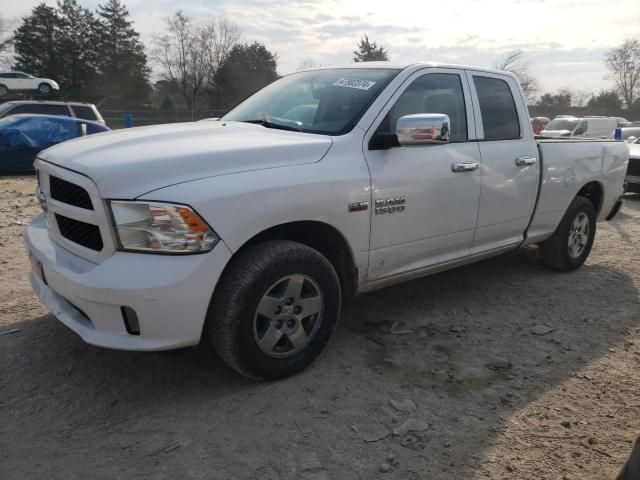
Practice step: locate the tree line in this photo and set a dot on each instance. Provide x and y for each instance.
(99, 56)
(623, 63)
(91, 55)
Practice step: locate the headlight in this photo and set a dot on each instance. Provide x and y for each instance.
(161, 228)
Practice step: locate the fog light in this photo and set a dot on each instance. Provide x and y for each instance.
(130, 320)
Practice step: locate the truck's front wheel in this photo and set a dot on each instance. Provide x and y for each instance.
(570, 245)
(274, 310)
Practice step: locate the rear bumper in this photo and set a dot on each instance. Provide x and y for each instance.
(632, 183)
(170, 294)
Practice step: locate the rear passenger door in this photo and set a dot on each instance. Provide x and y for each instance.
(10, 81)
(510, 169)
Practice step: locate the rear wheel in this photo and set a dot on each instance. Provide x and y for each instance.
(44, 89)
(570, 245)
(3, 90)
(274, 310)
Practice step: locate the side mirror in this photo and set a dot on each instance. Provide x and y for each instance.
(631, 139)
(423, 129)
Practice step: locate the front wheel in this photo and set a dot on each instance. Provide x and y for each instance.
(44, 89)
(570, 245)
(3, 90)
(274, 310)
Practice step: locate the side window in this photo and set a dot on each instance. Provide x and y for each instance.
(84, 112)
(42, 109)
(432, 93)
(581, 129)
(23, 109)
(55, 110)
(498, 109)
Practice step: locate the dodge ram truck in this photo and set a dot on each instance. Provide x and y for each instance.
(251, 231)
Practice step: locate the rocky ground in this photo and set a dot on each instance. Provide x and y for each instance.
(502, 369)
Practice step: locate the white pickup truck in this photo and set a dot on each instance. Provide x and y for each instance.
(251, 231)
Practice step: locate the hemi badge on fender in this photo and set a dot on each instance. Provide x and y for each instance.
(358, 206)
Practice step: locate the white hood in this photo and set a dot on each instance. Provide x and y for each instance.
(131, 162)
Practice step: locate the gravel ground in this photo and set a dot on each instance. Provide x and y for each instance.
(501, 369)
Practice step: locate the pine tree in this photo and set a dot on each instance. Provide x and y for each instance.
(77, 49)
(369, 51)
(123, 74)
(36, 43)
(247, 68)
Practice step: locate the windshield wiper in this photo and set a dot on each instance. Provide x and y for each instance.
(268, 124)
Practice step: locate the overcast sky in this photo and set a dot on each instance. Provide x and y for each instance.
(564, 39)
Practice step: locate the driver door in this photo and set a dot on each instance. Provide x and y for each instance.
(434, 209)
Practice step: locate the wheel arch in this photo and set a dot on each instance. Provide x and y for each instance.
(594, 191)
(321, 236)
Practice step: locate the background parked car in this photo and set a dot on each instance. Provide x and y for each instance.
(633, 170)
(23, 82)
(22, 137)
(596, 127)
(86, 111)
(561, 126)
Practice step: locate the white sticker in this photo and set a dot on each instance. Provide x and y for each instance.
(354, 83)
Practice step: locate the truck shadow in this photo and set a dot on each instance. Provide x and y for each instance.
(469, 347)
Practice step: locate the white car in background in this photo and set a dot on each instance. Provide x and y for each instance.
(595, 127)
(561, 126)
(23, 82)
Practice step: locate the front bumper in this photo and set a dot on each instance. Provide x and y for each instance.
(169, 293)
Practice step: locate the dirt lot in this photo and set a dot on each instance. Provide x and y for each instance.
(476, 393)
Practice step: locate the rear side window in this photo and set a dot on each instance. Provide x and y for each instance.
(498, 109)
(84, 112)
(42, 109)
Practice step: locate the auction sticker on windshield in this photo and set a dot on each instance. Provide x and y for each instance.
(354, 83)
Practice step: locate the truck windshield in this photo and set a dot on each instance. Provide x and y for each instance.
(562, 124)
(322, 101)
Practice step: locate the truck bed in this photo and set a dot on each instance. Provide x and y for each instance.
(567, 165)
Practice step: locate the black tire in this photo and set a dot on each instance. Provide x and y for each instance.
(556, 252)
(233, 316)
(3, 90)
(44, 89)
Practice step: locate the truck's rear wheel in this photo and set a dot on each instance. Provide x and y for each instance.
(274, 310)
(570, 245)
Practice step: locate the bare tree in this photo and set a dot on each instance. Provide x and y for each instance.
(624, 64)
(222, 35)
(580, 98)
(515, 62)
(6, 38)
(189, 54)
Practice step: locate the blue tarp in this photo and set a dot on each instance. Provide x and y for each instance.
(41, 131)
(23, 136)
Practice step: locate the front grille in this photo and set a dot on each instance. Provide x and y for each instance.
(81, 233)
(69, 193)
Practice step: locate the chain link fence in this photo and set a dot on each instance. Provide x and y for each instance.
(118, 118)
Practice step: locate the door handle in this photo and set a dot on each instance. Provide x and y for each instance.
(463, 166)
(525, 161)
